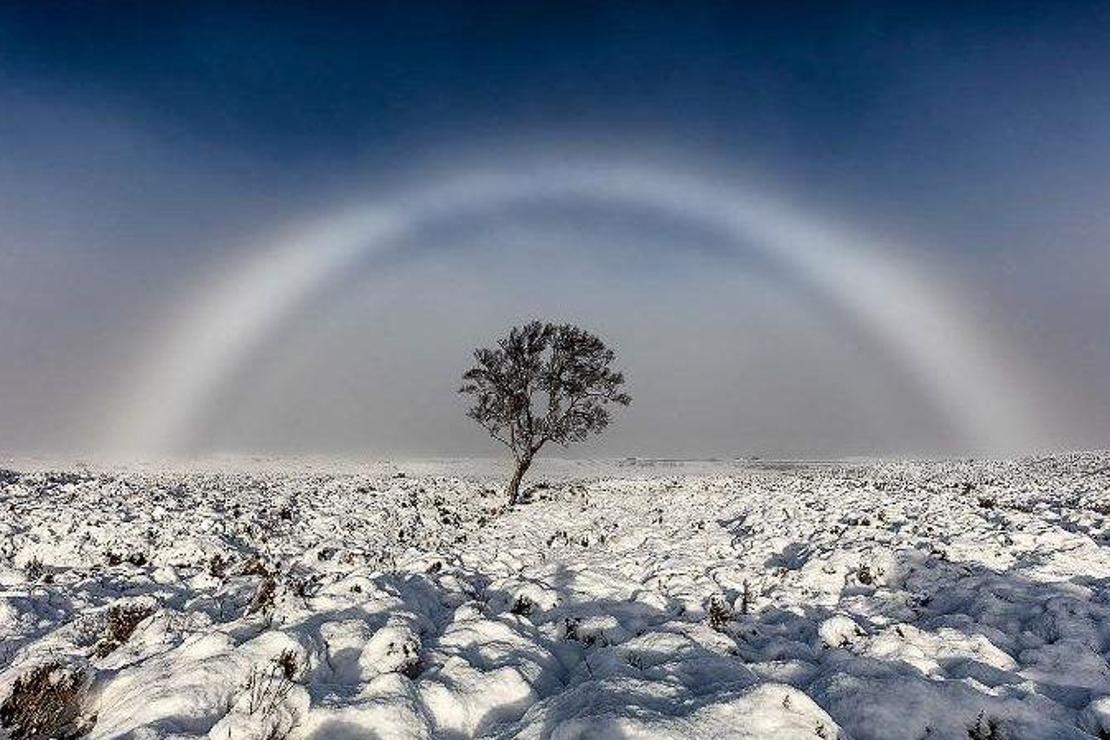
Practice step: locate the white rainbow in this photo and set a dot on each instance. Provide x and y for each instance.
(903, 307)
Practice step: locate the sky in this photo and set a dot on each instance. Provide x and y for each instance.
(816, 230)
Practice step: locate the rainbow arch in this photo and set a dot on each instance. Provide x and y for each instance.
(900, 304)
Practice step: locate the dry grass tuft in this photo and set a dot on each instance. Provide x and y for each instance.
(45, 702)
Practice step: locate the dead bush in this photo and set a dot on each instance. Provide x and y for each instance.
(45, 703)
(263, 595)
(718, 613)
(34, 569)
(267, 687)
(523, 606)
(986, 728)
(121, 623)
(746, 599)
(217, 566)
(286, 661)
(571, 632)
(254, 566)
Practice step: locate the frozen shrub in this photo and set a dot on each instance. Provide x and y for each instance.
(34, 569)
(261, 709)
(986, 728)
(255, 567)
(571, 631)
(121, 624)
(263, 595)
(286, 662)
(217, 566)
(266, 688)
(301, 585)
(522, 606)
(718, 613)
(45, 702)
(560, 536)
(746, 598)
(136, 558)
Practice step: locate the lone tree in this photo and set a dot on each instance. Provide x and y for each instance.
(543, 383)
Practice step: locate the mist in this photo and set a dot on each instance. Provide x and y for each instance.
(143, 166)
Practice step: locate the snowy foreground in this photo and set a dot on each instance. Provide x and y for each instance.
(255, 599)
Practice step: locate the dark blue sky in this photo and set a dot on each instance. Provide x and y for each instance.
(945, 105)
(936, 110)
(142, 142)
(868, 86)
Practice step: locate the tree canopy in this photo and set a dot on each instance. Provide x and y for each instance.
(543, 383)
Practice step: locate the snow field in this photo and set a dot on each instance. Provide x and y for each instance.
(307, 600)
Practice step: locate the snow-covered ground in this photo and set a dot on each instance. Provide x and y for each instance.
(310, 599)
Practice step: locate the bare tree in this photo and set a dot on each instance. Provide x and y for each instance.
(543, 383)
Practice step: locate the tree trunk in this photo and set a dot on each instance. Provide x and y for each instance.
(513, 489)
